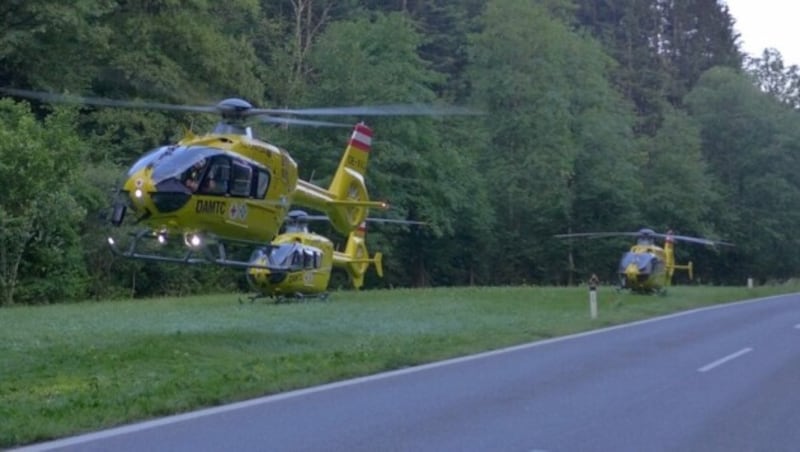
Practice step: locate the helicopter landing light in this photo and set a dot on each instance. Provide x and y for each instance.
(111, 241)
(138, 193)
(162, 238)
(193, 240)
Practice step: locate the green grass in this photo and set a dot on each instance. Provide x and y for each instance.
(66, 369)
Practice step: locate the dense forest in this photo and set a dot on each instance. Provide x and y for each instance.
(598, 116)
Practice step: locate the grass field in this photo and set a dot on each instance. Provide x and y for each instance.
(66, 369)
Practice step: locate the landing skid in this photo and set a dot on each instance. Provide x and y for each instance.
(661, 291)
(210, 251)
(286, 298)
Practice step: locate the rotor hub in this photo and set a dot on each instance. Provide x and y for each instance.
(234, 108)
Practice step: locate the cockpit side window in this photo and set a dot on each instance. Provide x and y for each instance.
(241, 178)
(262, 183)
(216, 179)
(297, 259)
(193, 176)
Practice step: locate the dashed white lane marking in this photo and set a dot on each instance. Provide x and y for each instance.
(724, 360)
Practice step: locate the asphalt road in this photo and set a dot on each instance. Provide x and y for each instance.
(719, 379)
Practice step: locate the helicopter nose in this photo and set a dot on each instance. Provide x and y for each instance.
(277, 277)
(146, 194)
(170, 195)
(165, 198)
(631, 271)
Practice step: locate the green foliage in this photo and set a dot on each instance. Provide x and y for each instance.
(173, 51)
(696, 36)
(43, 42)
(773, 77)
(661, 47)
(368, 60)
(416, 161)
(561, 136)
(750, 140)
(586, 129)
(680, 193)
(38, 238)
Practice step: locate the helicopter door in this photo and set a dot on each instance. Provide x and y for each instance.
(657, 265)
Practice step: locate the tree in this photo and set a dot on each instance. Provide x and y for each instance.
(773, 77)
(662, 47)
(285, 38)
(38, 239)
(559, 137)
(172, 52)
(415, 162)
(696, 36)
(750, 140)
(43, 42)
(678, 191)
(628, 30)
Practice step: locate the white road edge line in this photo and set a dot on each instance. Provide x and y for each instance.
(724, 360)
(176, 418)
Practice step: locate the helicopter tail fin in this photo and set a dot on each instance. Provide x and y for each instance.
(345, 202)
(348, 188)
(355, 259)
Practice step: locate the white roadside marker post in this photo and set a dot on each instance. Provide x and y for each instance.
(593, 282)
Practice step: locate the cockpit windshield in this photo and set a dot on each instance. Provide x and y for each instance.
(178, 160)
(283, 256)
(643, 261)
(170, 161)
(149, 158)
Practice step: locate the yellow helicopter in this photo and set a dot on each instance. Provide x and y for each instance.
(647, 267)
(298, 263)
(228, 186)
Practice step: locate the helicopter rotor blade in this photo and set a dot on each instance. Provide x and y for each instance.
(699, 240)
(375, 110)
(684, 238)
(242, 108)
(596, 235)
(300, 122)
(394, 221)
(103, 102)
(368, 219)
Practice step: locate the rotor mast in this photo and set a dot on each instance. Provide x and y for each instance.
(234, 112)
